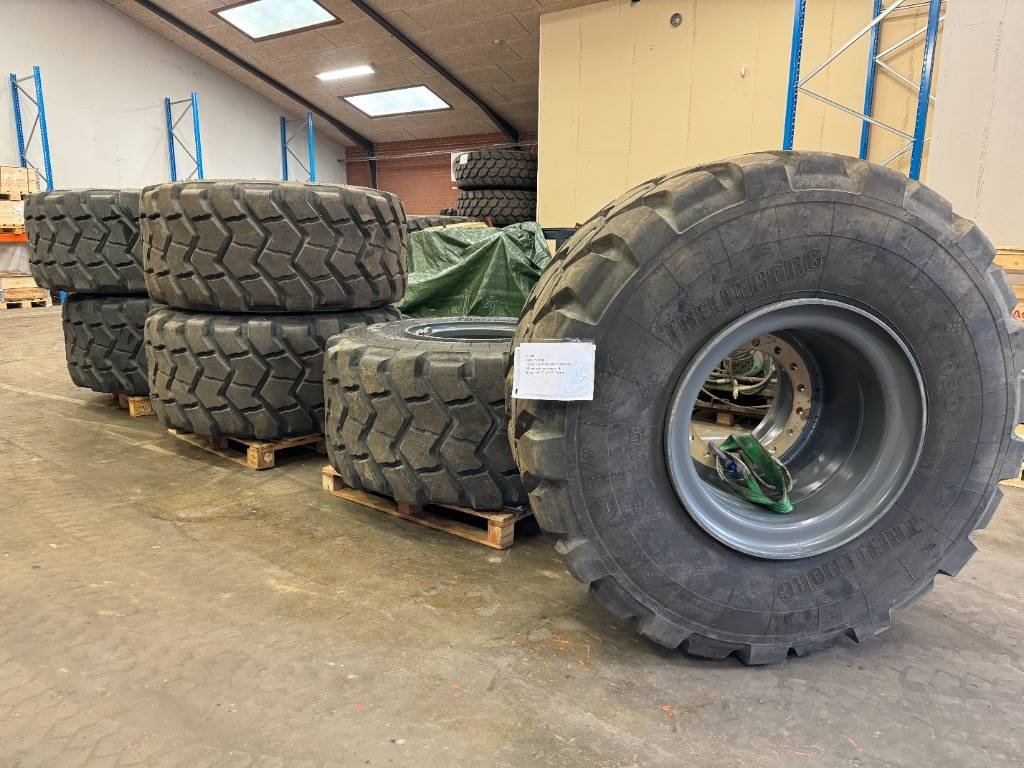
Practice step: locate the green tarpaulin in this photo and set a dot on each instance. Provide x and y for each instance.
(474, 271)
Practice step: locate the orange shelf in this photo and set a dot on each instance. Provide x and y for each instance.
(13, 237)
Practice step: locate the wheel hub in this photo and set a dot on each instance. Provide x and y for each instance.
(847, 419)
(787, 418)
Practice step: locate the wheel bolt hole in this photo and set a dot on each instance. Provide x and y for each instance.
(778, 350)
(792, 366)
(800, 387)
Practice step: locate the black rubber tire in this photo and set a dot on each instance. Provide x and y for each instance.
(86, 241)
(449, 211)
(243, 375)
(416, 223)
(421, 420)
(496, 169)
(272, 246)
(658, 272)
(501, 206)
(103, 342)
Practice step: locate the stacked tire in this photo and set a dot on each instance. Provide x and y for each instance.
(416, 411)
(86, 243)
(499, 185)
(256, 276)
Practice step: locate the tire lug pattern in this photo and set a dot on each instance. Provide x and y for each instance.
(420, 420)
(260, 246)
(243, 375)
(86, 241)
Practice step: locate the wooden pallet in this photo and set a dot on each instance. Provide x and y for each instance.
(498, 533)
(26, 303)
(246, 452)
(14, 196)
(136, 405)
(13, 230)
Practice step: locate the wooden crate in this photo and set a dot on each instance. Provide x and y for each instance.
(136, 405)
(16, 183)
(251, 454)
(12, 216)
(16, 281)
(497, 530)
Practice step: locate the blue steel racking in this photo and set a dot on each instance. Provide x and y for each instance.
(876, 60)
(286, 149)
(191, 108)
(25, 143)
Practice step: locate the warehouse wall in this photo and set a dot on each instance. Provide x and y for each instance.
(104, 79)
(625, 96)
(976, 159)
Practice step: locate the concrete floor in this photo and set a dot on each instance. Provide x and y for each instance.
(159, 607)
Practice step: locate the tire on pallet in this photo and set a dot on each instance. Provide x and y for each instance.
(449, 211)
(103, 340)
(840, 256)
(86, 241)
(263, 246)
(416, 411)
(260, 377)
(496, 169)
(501, 206)
(416, 223)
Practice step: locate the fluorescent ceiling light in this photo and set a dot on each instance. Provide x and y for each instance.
(416, 98)
(265, 18)
(340, 74)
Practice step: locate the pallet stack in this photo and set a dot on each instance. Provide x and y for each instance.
(17, 290)
(15, 185)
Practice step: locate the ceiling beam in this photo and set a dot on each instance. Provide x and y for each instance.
(350, 133)
(504, 125)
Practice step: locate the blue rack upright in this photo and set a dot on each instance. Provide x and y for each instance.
(913, 143)
(191, 108)
(25, 142)
(286, 149)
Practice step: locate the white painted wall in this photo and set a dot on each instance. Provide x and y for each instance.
(104, 80)
(976, 158)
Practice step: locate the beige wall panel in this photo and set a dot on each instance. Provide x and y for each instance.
(624, 96)
(559, 78)
(661, 87)
(979, 113)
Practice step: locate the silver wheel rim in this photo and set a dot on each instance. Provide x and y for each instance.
(859, 446)
(475, 330)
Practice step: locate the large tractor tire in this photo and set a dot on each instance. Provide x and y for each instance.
(416, 411)
(501, 206)
(86, 241)
(103, 342)
(496, 169)
(897, 327)
(265, 246)
(243, 375)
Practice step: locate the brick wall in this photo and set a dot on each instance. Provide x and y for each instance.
(417, 171)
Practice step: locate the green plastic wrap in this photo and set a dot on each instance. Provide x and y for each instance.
(473, 271)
